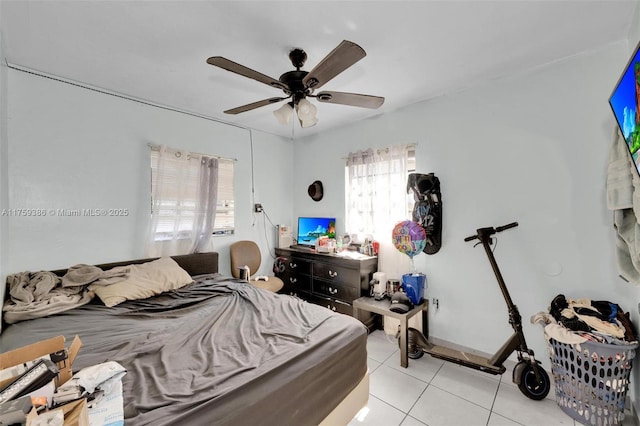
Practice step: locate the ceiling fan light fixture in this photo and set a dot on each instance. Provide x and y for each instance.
(306, 110)
(308, 122)
(284, 113)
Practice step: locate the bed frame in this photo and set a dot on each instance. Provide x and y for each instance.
(194, 264)
(351, 405)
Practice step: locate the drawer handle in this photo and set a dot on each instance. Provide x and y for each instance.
(293, 280)
(332, 274)
(333, 290)
(293, 265)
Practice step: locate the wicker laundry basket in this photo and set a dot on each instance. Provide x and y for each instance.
(592, 380)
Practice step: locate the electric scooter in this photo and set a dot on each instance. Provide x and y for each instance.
(532, 380)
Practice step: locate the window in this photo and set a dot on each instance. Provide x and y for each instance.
(225, 207)
(376, 189)
(177, 193)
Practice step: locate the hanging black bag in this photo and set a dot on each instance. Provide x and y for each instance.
(427, 210)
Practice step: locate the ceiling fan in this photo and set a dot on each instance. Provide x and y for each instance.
(299, 85)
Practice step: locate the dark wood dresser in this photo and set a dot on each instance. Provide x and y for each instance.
(329, 280)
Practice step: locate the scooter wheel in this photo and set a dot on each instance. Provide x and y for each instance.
(413, 351)
(530, 386)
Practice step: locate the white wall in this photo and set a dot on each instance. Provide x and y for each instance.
(531, 148)
(73, 148)
(4, 177)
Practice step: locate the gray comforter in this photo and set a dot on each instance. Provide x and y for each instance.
(217, 351)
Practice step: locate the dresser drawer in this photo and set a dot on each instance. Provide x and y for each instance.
(331, 304)
(335, 290)
(298, 266)
(295, 282)
(330, 272)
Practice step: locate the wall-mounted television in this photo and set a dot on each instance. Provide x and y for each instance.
(310, 228)
(624, 102)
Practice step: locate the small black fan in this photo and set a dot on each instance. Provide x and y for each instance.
(299, 85)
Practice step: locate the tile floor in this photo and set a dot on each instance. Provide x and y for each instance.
(433, 392)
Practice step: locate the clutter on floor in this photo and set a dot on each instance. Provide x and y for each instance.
(591, 345)
(38, 387)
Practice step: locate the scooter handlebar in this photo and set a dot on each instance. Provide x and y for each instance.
(505, 227)
(486, 232)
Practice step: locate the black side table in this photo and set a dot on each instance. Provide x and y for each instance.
(369, 304)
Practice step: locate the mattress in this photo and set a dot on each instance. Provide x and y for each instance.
(216, 352)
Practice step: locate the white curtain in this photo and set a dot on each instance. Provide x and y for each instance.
(377, 200)
(205, 204)
(184, 195)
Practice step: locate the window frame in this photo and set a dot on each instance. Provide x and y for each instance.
(225, 207)
(411, 167)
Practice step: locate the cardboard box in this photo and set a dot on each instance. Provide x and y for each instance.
(55, 345)
(75, 413)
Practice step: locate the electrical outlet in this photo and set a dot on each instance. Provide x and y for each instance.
(257, 208)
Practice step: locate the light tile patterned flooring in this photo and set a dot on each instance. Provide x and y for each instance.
(433, 392)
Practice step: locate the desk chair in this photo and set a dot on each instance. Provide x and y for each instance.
(247, 253)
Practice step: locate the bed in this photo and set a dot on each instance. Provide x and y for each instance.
(218, 351)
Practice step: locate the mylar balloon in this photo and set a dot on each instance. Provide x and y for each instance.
(409, 238)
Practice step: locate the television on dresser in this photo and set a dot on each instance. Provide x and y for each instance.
(624, 102)
(311, 228)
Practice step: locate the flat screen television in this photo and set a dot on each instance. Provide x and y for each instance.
(310, 228)
(624, 102)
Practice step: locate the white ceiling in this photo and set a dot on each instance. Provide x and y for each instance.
(416, 50)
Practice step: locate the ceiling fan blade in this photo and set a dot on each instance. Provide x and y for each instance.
(353, 99)
(234, 67)
(339, 59)
(254, 105)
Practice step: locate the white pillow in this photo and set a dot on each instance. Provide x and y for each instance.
(144, 280)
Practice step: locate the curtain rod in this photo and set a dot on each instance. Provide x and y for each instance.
(157, 148)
